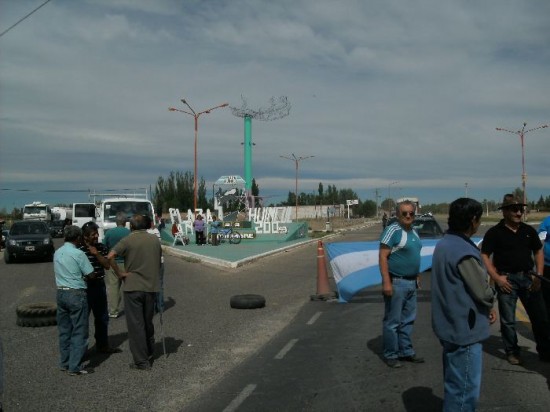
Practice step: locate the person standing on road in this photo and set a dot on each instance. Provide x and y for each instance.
(214, 230)
(462, 306)
(142, 261)
(384, 220)
(545, 227)
(159, 305)
(114, 284)
(72, 268)
(198, 226)
(97, 293)
(508, 250)
(399, 262)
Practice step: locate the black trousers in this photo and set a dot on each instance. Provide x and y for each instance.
(139, 308)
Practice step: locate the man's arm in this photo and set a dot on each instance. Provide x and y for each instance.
(383, 256)
(111, 257)
(96, 251)
(475, 279)
(500, 280)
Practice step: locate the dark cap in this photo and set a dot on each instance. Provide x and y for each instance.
(511, 200)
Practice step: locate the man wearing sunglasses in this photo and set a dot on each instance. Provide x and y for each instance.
(509, 251)
(399, 262)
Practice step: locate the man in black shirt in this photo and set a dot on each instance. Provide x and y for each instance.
(97, 293)
(513, 245)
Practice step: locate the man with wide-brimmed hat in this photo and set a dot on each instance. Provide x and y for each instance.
(511, 251)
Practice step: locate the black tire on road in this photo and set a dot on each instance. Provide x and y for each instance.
(36, 314)
(247, 301)
(7, 257)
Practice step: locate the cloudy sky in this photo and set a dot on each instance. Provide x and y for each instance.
(397, 95)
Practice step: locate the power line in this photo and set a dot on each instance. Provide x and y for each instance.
(20, 20)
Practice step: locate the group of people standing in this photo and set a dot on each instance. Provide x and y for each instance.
(133, 259)
(465, 283)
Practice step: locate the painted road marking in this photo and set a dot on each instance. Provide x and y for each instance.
(314, 318)
(245, 393)
(286, 349)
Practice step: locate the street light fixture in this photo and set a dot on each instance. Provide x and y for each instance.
(196, 117)
(389, 194)
(521, 133)
(296, 160)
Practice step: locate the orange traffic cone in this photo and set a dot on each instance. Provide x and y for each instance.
(323, 288)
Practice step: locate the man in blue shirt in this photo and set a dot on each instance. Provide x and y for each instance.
(113, 283)
(72, 268)
(399, 262)
(462, 306)
(545, 227)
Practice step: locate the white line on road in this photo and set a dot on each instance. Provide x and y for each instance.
(245, 393)
(314, 318)
(286, 349)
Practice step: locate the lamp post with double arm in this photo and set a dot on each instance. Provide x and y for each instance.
(296, 160)
(521, 133)
(196, 117)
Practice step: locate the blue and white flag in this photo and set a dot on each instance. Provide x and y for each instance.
(355, 265)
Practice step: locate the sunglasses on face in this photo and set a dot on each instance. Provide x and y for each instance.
(516, 209)
(405, 214)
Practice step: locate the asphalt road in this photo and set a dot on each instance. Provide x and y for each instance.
(292, 355)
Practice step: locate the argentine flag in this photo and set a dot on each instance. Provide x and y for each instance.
(355, 265)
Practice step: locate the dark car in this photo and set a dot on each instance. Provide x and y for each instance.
(56, 228)
(425, 225)
(29, 239)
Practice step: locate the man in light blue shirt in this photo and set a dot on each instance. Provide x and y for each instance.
(545, 227)
(72, 267)
(399, 262)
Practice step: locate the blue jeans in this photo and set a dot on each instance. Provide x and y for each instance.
(462, 376)
(97, 300)
(533, 303)
(72, 325)
(399, 317)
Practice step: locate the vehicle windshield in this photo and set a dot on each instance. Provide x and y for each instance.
(29, 228)
(130, 208)
(427, 228)
(87, 210)
(35, 209)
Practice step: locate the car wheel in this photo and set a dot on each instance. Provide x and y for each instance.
(7, 257)
(36, 314)
(247, 301)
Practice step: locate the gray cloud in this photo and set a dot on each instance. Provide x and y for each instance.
(381, 91)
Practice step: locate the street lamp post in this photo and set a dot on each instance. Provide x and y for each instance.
(296, 160)
(196, 117)
(521, 133)
(389, 195)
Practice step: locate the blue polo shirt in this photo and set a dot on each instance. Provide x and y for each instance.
(405, 248)
(70, 265)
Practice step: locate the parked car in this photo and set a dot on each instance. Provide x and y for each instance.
(56, 228)
(425, 225)
(29, 239)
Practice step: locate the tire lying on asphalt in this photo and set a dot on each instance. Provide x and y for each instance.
(247, 301)
(36, 314)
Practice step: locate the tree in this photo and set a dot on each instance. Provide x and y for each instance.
(255, 188)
